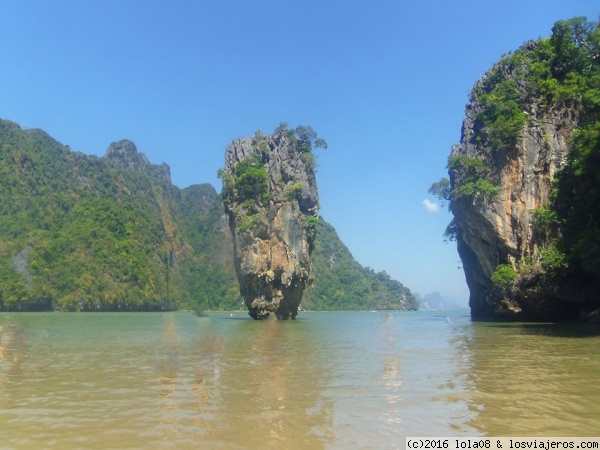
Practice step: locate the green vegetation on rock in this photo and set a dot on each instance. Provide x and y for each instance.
(502, 118)
(251, 182)
(83, 233)
(504, 276)
(544, 98)
(294, 191)
(577, 202)
(472, 173)
(341, 283)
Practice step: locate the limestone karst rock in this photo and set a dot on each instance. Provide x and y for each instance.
(500, 229)
(270, 196)
(516, 143)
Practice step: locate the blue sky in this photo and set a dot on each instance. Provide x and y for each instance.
(384, 82)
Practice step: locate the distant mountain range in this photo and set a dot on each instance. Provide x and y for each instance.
(435, 301)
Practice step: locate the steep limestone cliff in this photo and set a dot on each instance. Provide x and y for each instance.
(515, 141)
(501, 229)
(270, 195)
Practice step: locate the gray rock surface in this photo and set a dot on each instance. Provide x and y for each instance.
(21, 265)
(273, 236)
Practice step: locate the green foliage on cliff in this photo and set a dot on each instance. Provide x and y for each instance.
(472, 173)
(557, 75)
(294, 191)
(441, 189)
(341, 283)
(251, 182)
(561, 71)
(555, 72)
(552, 259)
(544, 220)
(576, 197)
(476, 188)
(577, 202)
(304, 140)
(79, 232)
(504, 276)
(247, 186)
(469, 181)
(502, 119)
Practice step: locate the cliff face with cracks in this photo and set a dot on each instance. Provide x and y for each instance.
(270, 196)
(517, 189)
(501, 229)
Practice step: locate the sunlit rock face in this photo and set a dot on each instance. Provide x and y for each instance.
(270, 196)
(501, 228)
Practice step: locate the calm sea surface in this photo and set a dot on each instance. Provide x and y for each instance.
(326, 380)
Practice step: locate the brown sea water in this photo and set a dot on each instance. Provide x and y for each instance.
(326, 380)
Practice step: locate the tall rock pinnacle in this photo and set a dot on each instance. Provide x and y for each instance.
(523, 181)
(270, 195)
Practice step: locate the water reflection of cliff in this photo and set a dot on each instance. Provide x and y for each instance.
(14, 351)
(271, 378)
(532, 379)
(241, 383)
(392, 381)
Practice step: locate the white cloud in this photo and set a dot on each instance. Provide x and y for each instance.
(431, 206)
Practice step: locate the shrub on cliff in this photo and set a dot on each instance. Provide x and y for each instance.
(504, 276)
(251, 181)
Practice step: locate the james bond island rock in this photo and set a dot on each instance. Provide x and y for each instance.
(270, 195)
(524, 180)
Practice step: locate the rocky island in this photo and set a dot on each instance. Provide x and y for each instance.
(523, 182)
(112, 233)
(271, 199)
